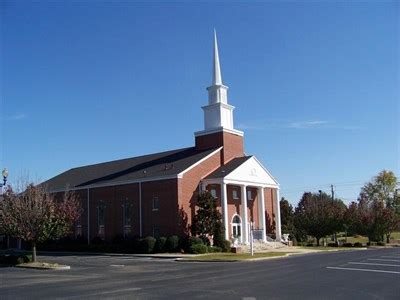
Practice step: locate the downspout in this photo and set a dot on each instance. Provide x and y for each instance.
(88, 217)
(140, 209)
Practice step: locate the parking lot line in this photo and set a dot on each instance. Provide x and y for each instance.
(372, 264)
(384, 259)
(363, 270)
(391, 256)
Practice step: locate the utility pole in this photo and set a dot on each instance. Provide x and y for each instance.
(333, 198)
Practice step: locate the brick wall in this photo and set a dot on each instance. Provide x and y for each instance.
(232, 143)
(188, 188)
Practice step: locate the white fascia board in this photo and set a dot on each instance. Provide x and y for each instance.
(205, 132)
(180, 175)
(92, 186)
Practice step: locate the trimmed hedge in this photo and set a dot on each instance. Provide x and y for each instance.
(147, 244)
(226, 246)
(198, 249)
(160, 246)
(214, 249)
(172, 244)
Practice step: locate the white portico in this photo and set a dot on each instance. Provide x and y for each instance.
(244, 183)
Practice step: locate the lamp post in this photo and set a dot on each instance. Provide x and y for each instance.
(5, 175)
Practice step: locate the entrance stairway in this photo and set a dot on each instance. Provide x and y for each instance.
(264, 247)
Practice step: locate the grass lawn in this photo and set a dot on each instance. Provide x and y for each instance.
(356, 239)
(395, 235)
(234, 256)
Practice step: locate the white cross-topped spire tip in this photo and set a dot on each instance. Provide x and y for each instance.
(217, 79)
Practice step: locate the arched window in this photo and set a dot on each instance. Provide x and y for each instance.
(236, 219)
(236, 226)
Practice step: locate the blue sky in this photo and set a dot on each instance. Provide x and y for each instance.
(315, 85)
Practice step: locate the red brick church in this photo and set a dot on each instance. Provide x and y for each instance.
(156, 194)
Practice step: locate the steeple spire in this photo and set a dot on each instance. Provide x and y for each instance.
(217, 79)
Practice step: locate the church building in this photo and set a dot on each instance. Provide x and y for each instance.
(155, 194)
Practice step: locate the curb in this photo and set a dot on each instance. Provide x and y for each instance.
(61, 267)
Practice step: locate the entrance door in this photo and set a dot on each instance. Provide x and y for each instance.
(236, 227)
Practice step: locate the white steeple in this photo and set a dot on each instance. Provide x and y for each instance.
(217, 79)
(218, 114)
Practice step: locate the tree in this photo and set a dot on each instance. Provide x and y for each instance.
(287, 217)
(379, 207)
(318, 215)
(35, 215)
(207, 221)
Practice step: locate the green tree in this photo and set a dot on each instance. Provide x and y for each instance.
(287, 217)
(35, 216)
(379, 207)
(318, 215)
(207, 222)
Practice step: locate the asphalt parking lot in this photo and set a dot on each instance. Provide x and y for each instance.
(369, 274)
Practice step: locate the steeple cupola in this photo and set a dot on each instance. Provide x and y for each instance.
(218, 116)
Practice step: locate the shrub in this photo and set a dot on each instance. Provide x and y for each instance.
(226, 246)
(198, 249)
(206, 240)
(147, 244)
(172, 243)
(160, 245)
(347, 245)
(214, 249)
(358, 244)
(118, 239)
(194, 240)
(97, 241)
(332, 244)
(309, 244)
(380, 244)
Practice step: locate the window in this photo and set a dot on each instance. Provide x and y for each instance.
(127, 217)
(101, 209)
(213, 192)
(235, 194)
(156, 203)
(249, 195)
(236, 227)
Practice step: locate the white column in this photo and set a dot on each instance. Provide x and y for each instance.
(245, 231)
(224, 203)
(277, 211)
(261, 209)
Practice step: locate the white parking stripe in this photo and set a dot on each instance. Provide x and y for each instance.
(372, 264)
(363, 270)
(384, 259)
(391, 256)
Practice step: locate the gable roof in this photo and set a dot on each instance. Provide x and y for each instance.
(224, 170)
(244, 170)
(162, 164)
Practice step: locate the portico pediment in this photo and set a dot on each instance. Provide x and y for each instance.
(252, 171)
(243, 170)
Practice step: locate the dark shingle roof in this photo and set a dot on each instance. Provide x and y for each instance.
(147, 166)
(228, 168)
